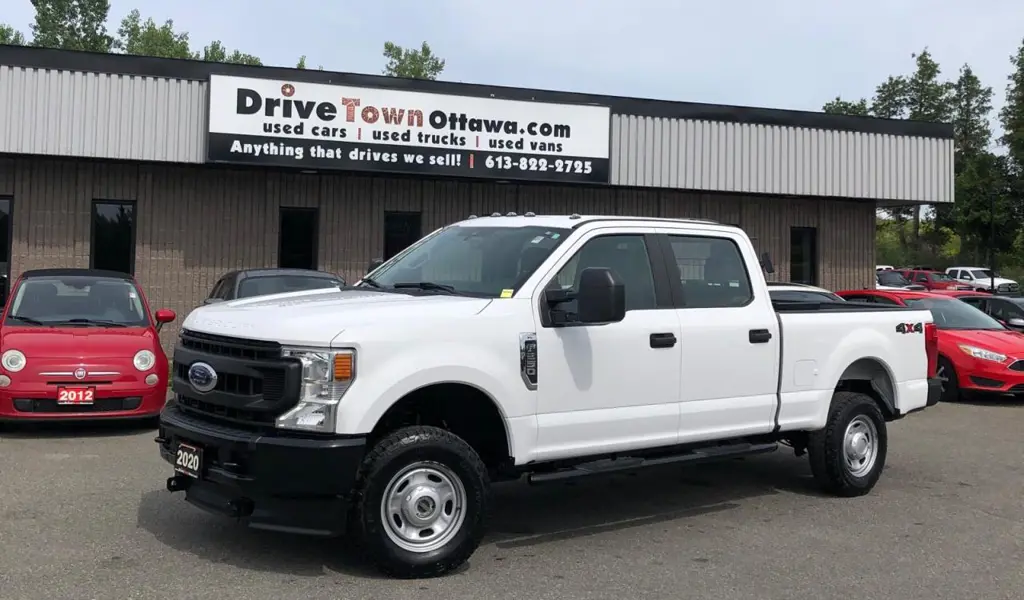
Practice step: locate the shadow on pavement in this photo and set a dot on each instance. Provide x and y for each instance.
(523, 516)
(76, 429)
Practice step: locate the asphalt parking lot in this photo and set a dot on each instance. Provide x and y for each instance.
(84, 514)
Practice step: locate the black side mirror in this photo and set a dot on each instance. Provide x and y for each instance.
(766, 263)
(375, 263)
(213, 300)
(601, 297)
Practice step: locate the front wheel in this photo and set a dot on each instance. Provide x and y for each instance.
(848, 455)
(946, 374)
(421, 503)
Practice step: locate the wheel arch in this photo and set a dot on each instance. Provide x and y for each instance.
(872, 377)
(460, 407)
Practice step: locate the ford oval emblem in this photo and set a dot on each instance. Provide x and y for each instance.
(202, 377)
(80, 373)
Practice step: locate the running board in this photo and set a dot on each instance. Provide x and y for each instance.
(614, 465)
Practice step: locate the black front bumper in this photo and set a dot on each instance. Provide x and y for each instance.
(268, 481)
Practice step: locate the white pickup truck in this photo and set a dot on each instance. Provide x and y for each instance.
(543, 347)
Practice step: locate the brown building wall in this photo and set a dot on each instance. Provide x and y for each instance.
(196, 222)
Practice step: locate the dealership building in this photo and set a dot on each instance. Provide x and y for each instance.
(178, 171)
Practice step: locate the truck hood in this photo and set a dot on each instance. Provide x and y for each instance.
(316, 317)
(77, 342)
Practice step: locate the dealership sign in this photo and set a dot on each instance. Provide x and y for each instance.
(320, 126)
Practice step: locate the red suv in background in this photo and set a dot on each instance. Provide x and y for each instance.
(80, 344)
(932, 280)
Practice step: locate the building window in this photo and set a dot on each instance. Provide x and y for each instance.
(401, 229)
(298, 233)
(803, 255)
(113, 236)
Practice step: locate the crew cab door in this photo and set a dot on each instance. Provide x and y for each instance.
(730, 335)
(610, 387)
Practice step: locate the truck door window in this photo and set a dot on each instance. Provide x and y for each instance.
(921, 277)
(711, 271)
(626, 256)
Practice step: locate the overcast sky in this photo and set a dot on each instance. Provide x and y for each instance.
(773, 53)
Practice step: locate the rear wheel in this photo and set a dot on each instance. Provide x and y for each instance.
(421, 505)
(946, 374)
(848, 455)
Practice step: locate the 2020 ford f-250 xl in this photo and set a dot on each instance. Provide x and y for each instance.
(538, 346)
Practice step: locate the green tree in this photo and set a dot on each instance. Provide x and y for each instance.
(980, 176)
(72, 25)
(10, 36)
(1012, 116)
(302, 64)
(149, 39)
(890, 99)
(414, 64)
(216, 52)
(838, 106)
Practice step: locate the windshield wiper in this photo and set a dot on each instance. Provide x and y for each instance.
(370, 283)
(28, 320)
(426, 285)
(98, 322)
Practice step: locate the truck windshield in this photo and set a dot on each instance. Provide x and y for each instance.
(891, 278)
(482, 261)
(77, 300)
(954, 314)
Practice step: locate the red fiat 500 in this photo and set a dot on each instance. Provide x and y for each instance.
(80, 344)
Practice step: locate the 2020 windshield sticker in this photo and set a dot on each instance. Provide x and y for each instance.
(323, 126)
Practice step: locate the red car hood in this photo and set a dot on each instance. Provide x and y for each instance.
(1009, 343)
(77, 342)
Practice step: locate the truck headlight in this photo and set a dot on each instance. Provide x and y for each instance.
(326, 376)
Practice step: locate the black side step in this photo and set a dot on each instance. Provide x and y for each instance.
(613, 465)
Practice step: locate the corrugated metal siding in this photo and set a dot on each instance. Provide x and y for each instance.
(195, 223)
(67, 113)
(765, 159)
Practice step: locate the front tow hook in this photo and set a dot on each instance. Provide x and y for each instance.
(177, 483)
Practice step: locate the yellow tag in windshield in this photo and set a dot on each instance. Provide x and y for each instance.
(506, 293)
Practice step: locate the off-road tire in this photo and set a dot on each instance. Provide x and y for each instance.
(826, 446)
(951, 388)
(385, 459)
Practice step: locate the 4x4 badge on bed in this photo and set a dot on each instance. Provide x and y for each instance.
(909, 328)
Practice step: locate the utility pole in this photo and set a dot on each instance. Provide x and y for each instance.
(991, 240)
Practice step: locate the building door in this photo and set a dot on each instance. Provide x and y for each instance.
(803, 255)
(401, 229)
(6, 227)
(298, 233)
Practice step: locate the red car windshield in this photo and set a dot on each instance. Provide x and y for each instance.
(77, 300)
(954, 314)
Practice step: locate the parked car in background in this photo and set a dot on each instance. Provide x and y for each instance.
(1007, 310)
(81, 344)
(799, 292)
(981, 279)
(932, 280)
(247, 283)
(977, 354)
(894, 280)
(884, 267)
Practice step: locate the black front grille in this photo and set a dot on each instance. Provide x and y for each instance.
(100, 405)
(218, 345)
(255, 384)
(238, 416)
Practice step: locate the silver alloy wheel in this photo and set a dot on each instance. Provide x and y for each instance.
(860, 445)
(940, 374)
(423, 507)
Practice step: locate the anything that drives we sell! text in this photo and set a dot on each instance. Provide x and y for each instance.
(269, 122)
